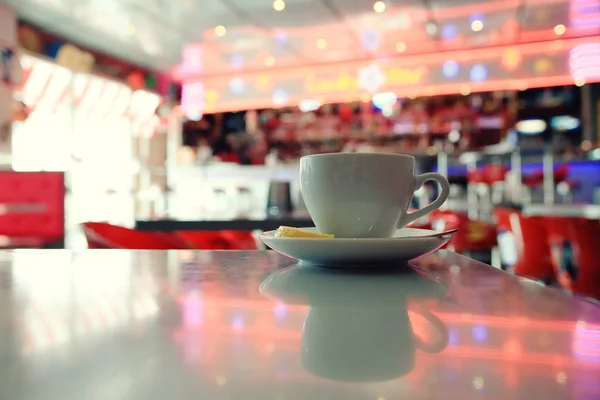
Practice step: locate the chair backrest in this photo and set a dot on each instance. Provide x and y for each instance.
(529, 238)
(32, 205)
(574, 243)
(102, 235)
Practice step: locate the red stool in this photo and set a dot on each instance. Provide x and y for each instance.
(529, 239)
(574, 244)
(102, 235)
(488, 183)
(495, 175)
(32, 210)
(559, 176)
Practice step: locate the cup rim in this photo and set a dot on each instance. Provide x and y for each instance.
(358, 155)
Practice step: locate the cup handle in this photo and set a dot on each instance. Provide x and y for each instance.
(437, 203)
(434, 347)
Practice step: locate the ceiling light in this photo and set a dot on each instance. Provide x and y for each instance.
(478, 73)
(476, 25)
(579, 82)
(531, 126)
(454, 136)
(379, 6)
(309, 105)
(450, 69)
(321, 44)
(384, 100)
(400, 47)
(449, 32)
(465, 90)
(269, 61)
(278, 5)
(220, 30)
(431, 28)
(560, 29)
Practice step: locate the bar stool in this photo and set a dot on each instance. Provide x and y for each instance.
(495, 175)
(526, 236)
(489, 187)
(574, 244)
(564, 187)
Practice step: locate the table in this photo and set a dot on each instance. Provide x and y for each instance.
(260, 222)
(589, 211)
(114, 324)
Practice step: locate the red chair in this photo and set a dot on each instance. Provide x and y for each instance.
(205, 240)
(102, 235)
(529, 239)
(32, 211)
(240, 240)
(574, 244)
(472, 235)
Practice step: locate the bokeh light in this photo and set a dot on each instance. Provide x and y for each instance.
(400, 47)
(280, 97)
(476, 25)
(478, 73)
(379, 6)
(449, 31)
(220, 30)
(560, 29)
(237, 85)
(450, 69)
(511, 58)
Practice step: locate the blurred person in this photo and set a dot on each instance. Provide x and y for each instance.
(195, 131)
(203, 151)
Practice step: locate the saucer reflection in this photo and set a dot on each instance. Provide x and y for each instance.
(358, 327)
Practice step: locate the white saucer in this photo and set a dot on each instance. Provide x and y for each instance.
(405, 245)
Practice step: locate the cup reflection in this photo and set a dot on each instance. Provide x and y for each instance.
(358, 327)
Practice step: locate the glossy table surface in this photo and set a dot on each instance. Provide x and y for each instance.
(115, 324)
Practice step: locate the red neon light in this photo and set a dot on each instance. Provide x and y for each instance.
(476, 54)
(454, 318)
(437, 90)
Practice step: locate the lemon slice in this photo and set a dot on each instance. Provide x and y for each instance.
(287, 231)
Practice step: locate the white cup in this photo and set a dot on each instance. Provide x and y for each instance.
(363, 195)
